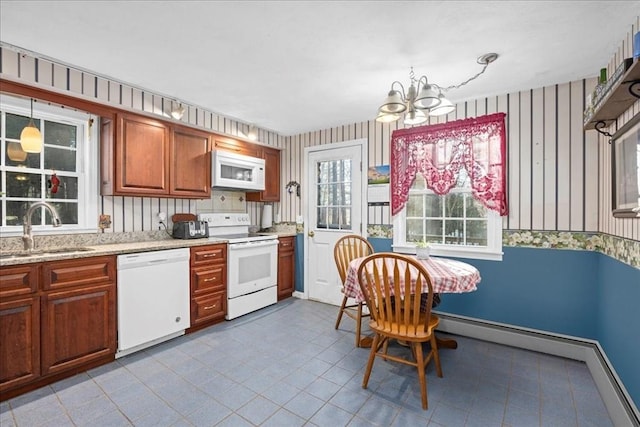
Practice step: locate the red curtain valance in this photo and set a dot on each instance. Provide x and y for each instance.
(439, 151)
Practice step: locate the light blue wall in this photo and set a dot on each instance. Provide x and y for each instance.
(579, 293)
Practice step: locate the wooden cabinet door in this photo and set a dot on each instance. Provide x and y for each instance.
(141, 156)
(19, 341)
(78, 327)
(190, 164)
(271, 191)
(78, 312)
(286, 267)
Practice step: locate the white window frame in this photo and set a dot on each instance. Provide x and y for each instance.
(492, 252)
(87, 166)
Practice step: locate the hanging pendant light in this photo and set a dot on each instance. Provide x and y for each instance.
(31, 138)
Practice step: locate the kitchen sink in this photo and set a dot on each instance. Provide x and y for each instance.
(43, 251)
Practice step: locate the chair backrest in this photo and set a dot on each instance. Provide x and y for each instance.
(348, 248)
(398, 292)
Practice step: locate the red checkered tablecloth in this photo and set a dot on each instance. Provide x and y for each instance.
(447, 276)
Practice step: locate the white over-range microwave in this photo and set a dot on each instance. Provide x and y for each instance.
(237, 171)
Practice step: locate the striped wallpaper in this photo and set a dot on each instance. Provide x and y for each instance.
(559, 176)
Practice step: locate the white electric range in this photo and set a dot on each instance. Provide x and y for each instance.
(252, 263)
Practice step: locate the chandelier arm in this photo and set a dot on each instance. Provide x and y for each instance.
(466, 81)
(402, 92)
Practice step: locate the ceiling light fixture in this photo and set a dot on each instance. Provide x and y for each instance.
(30, 137)
(177, 112)
(422, 98)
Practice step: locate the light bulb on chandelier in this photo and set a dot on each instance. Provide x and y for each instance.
(422, 99)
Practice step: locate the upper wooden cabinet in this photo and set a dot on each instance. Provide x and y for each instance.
(145, 157)
(271, 191)
(236, 146)
(190, 163)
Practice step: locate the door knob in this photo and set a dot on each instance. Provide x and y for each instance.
(311, 233)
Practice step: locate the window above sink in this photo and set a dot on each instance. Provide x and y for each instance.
(69, 150)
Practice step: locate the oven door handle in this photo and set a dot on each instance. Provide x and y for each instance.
(251, 245)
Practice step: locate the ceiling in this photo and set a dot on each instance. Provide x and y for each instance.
(298, 66)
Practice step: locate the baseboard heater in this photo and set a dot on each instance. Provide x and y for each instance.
(619, 404)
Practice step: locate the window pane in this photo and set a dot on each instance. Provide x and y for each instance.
(67, 189)
(16, 210)
(345, 218)
(16, 123)
(454, 205)
(24, 185)
(68, 213)
(454, 232)
(434, 231)
(321, 218)
(59, 159)
(475, 209)
(415, 205)
(414, 230)
(477, 232)
(433, 205)
(59, 134)
(323, 195)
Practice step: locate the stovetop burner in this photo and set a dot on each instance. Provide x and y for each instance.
(233, 227)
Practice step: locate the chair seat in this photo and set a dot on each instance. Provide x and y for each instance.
(401, 331)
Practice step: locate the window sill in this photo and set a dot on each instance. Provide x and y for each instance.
(484, 254)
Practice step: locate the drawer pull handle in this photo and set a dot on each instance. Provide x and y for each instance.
(211, 279)
(209, 307)
(208, 255)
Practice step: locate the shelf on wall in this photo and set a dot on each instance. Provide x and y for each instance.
(617, 101)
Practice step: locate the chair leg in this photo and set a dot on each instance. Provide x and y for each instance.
(358, 324)
(344, 304)
(372, 356)
(436, 355)
(417, 347)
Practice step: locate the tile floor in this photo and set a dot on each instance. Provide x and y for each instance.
(286, 366)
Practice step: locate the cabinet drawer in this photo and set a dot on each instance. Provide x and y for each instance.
(208, 279)
(209, 307)
(78, 272)
(286, 244)
(203, 255)
(18, 280)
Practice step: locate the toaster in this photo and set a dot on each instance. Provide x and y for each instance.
(190, 229)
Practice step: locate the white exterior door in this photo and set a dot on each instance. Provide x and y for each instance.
(334, 205)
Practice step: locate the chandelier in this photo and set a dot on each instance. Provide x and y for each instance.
(422, 98)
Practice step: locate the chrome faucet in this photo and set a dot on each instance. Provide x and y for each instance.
(27, 235)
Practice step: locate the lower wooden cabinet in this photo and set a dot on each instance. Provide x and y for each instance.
(56, 318)
(208, 285)
(286, 267)
(20, 342)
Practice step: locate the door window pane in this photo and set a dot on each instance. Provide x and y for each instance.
(333, 194)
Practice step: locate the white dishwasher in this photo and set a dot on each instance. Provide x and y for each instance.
(153, 298)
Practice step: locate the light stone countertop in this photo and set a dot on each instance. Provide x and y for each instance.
(41, 255)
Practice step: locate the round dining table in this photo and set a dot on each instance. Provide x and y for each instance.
(447, 276)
